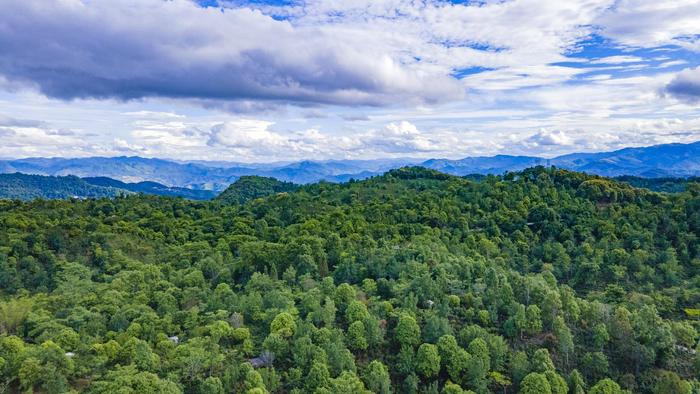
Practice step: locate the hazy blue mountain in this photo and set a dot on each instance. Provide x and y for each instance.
(671, 160)
(125, 169)
(198, 175)
(27, 187)
(334, 170)
(484, 165)
(148, 187)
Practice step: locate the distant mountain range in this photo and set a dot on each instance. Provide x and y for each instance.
(669, 160)
(215, 176)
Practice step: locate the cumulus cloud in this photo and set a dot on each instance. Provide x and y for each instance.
(131, 49)
(249, 137)
(399, 137)
(324, 79)
(246, 133)
(545, 137)
(686, 85)
(33, 141)
(653, 23)
(248, 56)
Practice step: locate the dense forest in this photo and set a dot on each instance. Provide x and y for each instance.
(27, 187)
(668, 185)
(248, 188)
(30, 186)
(542, 281)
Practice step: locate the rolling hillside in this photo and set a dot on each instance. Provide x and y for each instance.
(28, 187)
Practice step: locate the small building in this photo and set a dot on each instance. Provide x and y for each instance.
(257, 362)
(265, 359)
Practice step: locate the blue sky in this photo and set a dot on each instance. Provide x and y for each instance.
(291, 80)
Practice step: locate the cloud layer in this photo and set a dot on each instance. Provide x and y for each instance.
(256, 81)
(332, 52)
(152, 48)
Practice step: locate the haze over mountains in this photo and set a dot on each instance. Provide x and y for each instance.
(669, 160)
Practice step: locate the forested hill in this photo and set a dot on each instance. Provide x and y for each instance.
(153, 188)
(248, 188)
(667, 185)
(27, 187)
(541, 281)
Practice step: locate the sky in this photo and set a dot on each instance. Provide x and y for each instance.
(283, 80)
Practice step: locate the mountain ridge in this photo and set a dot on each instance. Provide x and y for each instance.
(31, 186)
(656, 161)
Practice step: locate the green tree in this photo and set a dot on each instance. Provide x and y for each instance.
(318, 376)
(671, 383)
(356, 311)
(13, 313)
(535, 383)
(428, 360)
(533, 325)
(128, 380)
(254, 382)
(376, 378)
(499, 380)
(519, 366)
(556, 382)
(407, 331)
(452, 388)
(283, 325)
(541, 362)
(565, 339)
(348, 383)
(606, 386)
(46, 367)
(576, 383)
(356, 336)
(479, 364)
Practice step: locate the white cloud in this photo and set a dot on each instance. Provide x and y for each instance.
(353, 78)
(548, 138)
(246, 133)
(672, 63)
(131, 49)
(620, 59)
(20, 141)
(652, 23)
(154, 115)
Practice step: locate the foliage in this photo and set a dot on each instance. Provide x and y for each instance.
(250, 187)
(415, 281)
(26, 187)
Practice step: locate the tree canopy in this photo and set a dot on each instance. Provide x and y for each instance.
(540, 281)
